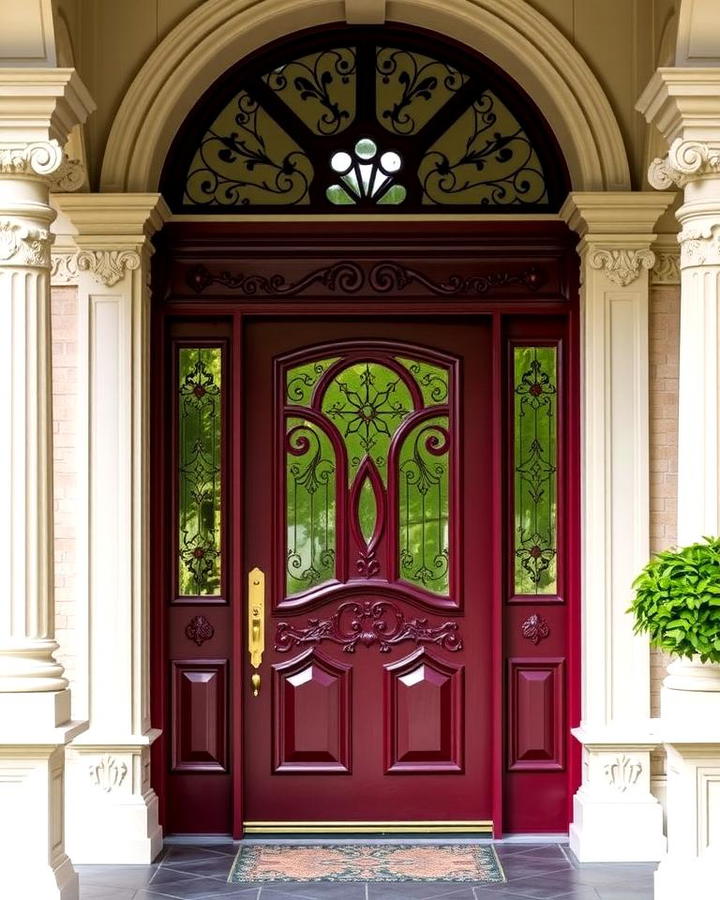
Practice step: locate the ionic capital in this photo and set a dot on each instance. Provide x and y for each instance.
(108, 266)
(38, 158)
(622, 265)
(685, 162)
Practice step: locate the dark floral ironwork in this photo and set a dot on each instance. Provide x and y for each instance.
(368, 622)
(314, 81)
(238, 166)
(421, 87)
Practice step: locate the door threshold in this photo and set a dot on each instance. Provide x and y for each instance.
(364, 827)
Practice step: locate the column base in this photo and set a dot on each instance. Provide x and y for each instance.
(110, 782)
(615, 816)
(603, 831)
(32, 793)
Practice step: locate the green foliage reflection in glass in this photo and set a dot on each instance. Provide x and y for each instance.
(200, 451)
(535, 461)
(424, 507)
(310, 480)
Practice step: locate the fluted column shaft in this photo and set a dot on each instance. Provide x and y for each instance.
(26, 588)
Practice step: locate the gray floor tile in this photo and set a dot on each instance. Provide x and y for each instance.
(419, 892)
(117, 876)
(217, 866)
(308, 891)
(102, 892)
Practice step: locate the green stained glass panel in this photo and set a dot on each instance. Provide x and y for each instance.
(367, 402)
(367, 510)
(432, 380)
(310, 488)
(424, 486)
(535, 465)
(199, 461)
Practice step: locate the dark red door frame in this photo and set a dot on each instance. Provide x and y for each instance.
(227, 272)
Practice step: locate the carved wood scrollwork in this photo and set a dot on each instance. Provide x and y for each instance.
(199, 629)
(349, 278)
(368, 622)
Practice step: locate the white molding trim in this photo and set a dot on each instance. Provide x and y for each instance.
(220, 32)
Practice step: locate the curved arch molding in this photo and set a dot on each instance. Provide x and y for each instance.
(509, 32)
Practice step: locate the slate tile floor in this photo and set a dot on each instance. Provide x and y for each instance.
(199, 871)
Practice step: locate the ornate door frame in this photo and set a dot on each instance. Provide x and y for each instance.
(228, 271)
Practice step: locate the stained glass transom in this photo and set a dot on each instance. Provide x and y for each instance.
(365, 124)
(535, 463)
(368, 471)
(199, 466)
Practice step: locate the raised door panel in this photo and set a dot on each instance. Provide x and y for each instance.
(424, 709)
(536, 716)
(199, 715)
(312, 715)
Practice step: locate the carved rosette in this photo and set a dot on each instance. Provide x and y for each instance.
(23, 246)
(621, 266)
(667, 268)
(199, 629)
(685, 161)
(535, 629)
(109, 773)
(108, 266)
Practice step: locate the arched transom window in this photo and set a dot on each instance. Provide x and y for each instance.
(360, 119)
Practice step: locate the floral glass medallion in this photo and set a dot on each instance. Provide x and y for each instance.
(366, 174)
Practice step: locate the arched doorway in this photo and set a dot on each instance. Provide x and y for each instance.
(366, 504)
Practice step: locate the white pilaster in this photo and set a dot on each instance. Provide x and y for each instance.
(615, 819)
(684, 103)
(37, 107)
(109, 765)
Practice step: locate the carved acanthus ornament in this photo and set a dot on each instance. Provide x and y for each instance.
(108, 266)
(23, 246)
(685, 161)
(622, 266)
(64, 267)
(109, 773)
(38, 158)
(622, 773)
(69, 177)
(667, 268)
(700, 245)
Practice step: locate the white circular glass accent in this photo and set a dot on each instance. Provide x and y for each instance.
(365, 148)
(341, 162)
(390, 161)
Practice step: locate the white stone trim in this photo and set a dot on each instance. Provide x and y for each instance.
(113, 261)
(220, 32)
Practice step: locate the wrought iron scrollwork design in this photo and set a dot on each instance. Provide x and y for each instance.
(369, 622)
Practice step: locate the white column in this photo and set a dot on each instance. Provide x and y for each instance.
(109, 765)
(37, 107)
(615, 815)
(684, 103)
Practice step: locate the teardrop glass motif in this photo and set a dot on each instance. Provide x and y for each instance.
(367, 510)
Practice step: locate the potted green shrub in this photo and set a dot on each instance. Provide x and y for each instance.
(677, 603)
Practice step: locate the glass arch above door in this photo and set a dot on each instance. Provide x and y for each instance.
(363, 119)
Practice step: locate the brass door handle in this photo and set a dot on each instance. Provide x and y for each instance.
(256, 623)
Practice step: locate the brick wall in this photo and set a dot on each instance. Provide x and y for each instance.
(64, 317)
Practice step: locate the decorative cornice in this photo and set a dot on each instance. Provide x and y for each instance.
(23, 246)
(108, 266)
(64, 267)
(69, 177)
(37, 158)
(699, 246)
(667, 267)
(685, 161)
(621, 266)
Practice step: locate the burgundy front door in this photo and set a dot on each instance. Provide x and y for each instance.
(368, 510)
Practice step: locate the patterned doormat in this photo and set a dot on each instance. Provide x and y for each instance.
(260, 863)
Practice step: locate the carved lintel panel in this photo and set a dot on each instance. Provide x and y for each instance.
(368, 622)
(349, 277)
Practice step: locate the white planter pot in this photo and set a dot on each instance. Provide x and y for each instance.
(692, 675)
